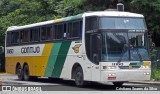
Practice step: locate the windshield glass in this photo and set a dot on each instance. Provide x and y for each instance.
(137, 45)
(122, 23)
(121, 46)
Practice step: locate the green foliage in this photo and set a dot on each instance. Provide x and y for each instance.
(155, 74)
(22, 12)
(151, 10)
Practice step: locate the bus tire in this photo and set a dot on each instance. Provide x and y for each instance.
(78, 76)
(26, 72)
(119, 84)
(19, 72)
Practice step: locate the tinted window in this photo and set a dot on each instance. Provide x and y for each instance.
(49, 32)
(46, 33)
(91, 23)
(15, 37)
(75, 29)
(8, 38)
(24, 36)
(59, 30)
(35, 35)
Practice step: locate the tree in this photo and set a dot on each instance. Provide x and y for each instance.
(22, 12)
(151, 10)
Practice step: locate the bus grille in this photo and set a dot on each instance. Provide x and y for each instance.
(127, 67)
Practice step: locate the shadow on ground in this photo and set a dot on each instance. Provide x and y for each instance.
(68, 85)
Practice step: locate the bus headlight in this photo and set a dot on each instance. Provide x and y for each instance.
(146, 73)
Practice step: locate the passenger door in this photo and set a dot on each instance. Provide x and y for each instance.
(95, 53)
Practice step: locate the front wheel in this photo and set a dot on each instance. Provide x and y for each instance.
(78, 76)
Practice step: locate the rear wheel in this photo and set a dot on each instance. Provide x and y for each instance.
(78, 76)
(26, 73)
(19, 72)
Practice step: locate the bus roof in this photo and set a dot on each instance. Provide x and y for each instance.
(113, 14)
(94, 13)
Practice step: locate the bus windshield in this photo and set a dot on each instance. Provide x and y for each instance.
(121, 23)
(123, 46)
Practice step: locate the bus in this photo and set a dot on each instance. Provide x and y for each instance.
(98, 46)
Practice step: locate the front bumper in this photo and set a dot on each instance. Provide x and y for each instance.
(125, 75)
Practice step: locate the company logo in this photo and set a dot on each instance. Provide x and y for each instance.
(6, 88)
(21, 88)
(76, 48)
(30, 49)
(10, 51)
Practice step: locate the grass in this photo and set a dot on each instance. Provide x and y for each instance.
(155, 74)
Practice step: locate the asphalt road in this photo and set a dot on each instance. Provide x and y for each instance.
(46, 84)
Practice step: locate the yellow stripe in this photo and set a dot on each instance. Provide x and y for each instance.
(146, 63)
(58, 20)
(37, 64)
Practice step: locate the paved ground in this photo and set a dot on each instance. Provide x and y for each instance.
(66, 85)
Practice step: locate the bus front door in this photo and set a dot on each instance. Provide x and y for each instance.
(94, 53)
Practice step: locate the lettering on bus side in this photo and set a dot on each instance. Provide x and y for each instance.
(30, 50)
(10, 51)
(117, 64)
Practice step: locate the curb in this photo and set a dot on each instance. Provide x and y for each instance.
(146, 82)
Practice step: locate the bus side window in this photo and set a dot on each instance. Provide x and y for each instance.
(8, 38)
(46, 33)
(35, 35)
(76, 29)
(65, 31)
(15, 37)
(91, 23)
(81, 28)
(24, 36)
(49, 33)
(59, 29)
(43, 33)
(69, 29)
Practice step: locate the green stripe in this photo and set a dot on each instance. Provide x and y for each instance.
(136, 63)
(52, 59)
(72, 17)
(60, 60)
